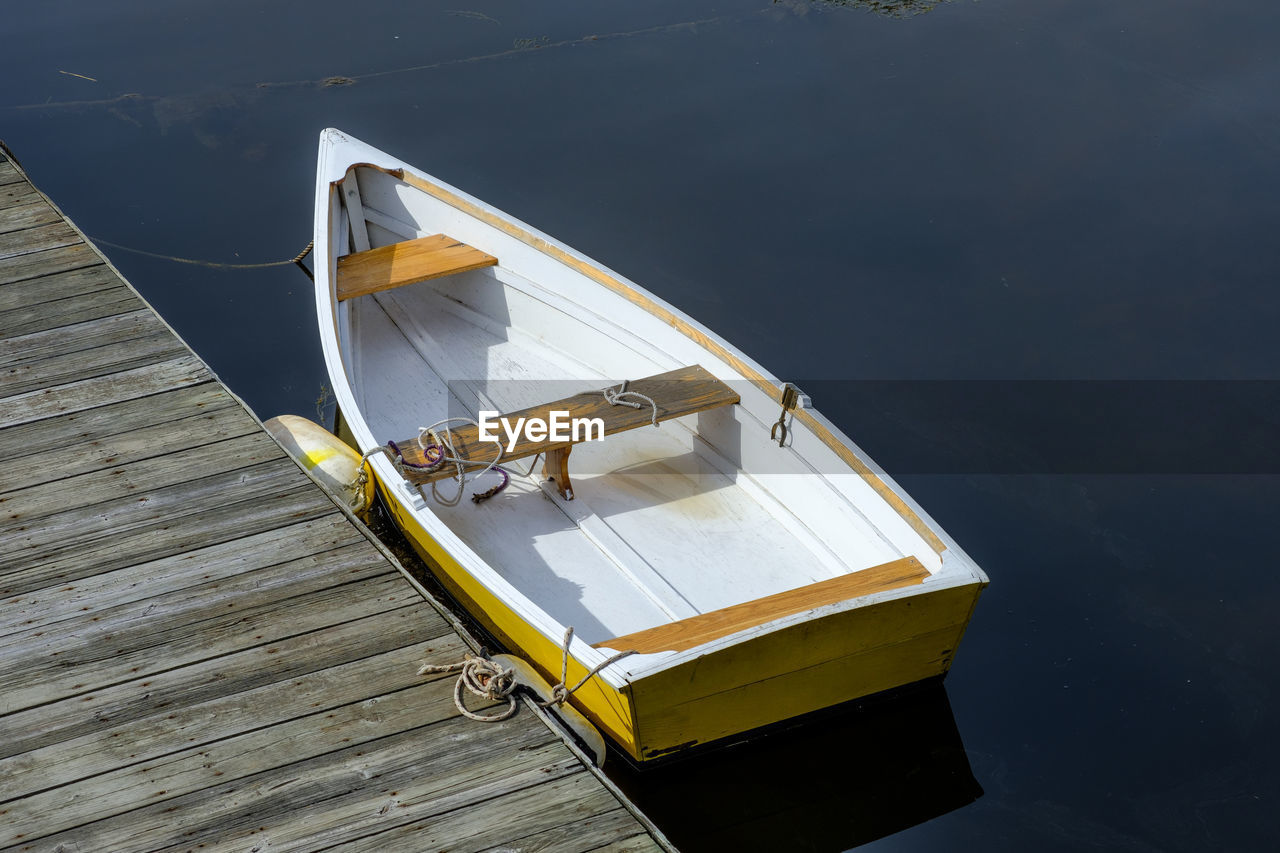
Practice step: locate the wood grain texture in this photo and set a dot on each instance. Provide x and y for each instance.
(197, 647)
(47, 262)
(147, 694)
(8, 174)
(27, 215)
(103, 423)
(406, 262)
(677, 393)
(37, 238)
(86, 364)
(64, 312)
(102, 390)
(63, 285)
(78, 337)
(705, 627)
(94, 454)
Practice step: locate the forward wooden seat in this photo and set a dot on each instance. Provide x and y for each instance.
(675, 393)
(406, 262)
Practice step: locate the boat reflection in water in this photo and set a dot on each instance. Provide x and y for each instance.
(838, 780)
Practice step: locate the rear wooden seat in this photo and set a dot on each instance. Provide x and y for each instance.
(407, 262)
(676, 393)
(696, 630)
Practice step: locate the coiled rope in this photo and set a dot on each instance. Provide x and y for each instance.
(437, 447)
(486, 679)
(614, 397)
(483, 678)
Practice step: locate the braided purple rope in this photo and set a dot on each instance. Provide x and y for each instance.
(480, 497)
(432, 464)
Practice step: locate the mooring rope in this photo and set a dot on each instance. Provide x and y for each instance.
(438, 449)
(559, 693)
(217, 265)
(613, 396)
(485, 679)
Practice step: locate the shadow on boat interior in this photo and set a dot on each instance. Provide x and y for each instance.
(826, 782)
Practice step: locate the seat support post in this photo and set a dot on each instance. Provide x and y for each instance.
(556, 467)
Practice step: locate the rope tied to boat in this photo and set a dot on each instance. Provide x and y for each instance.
(614, 397)
(438, 449)
(560, 693)
(482, 677)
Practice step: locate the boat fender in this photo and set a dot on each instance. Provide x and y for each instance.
(330, 460)
(526, 676)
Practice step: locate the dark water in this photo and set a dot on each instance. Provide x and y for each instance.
(1031, 197)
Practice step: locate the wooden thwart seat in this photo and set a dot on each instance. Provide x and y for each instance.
(696, 630)
(676, 393)
(407, 262)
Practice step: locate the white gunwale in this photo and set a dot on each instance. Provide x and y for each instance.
(816, 441)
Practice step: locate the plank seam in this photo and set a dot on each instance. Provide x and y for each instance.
(432, 815)
(190, 747)
(193, 583)
(5, 454)
(157, 672)
(197, 444)
(247, 778)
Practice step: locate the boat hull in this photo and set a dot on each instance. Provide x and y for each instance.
(821, 632)
(819, 662)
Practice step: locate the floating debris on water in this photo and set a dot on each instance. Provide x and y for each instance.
(473, 16)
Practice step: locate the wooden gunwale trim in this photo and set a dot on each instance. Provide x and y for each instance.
(683, 326)
(694, 631)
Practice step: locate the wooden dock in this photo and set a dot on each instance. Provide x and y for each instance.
(198, 648)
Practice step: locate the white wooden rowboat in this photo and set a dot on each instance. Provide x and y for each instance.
(754, 582)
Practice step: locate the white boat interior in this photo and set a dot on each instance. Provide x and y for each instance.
(666, 523)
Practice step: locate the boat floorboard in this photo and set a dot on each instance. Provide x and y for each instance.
(198, 648)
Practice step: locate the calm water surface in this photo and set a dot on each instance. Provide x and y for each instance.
(992, 207)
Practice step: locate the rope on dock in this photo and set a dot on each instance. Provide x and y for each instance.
(485, 679)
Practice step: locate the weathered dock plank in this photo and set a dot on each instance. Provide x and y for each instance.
(8, 174)
(36, 238)
(100, 390)
(95, 454)
(47, 262)
(56, 313)
(27, 215)
(33, 293)
(114, 422)
(266, 663)
(198, 648)
(146, 581)
(78, 337)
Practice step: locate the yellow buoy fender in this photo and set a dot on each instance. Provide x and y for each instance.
(327, 457)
